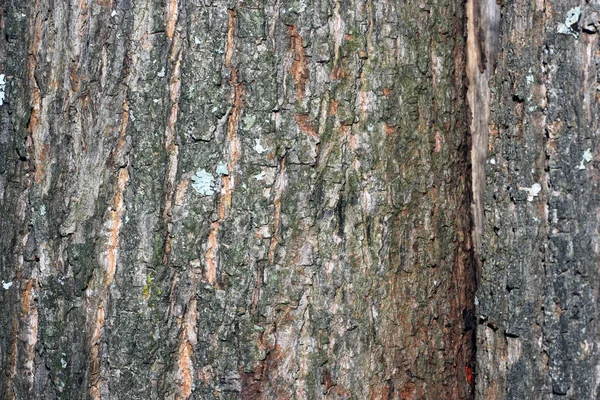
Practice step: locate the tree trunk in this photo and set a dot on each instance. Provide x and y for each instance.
(538, 333)
(298, 199)
(235, 200)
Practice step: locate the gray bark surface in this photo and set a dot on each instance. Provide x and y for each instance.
(537, 308)
(260, 199)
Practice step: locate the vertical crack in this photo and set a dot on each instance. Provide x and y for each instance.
(483, 17)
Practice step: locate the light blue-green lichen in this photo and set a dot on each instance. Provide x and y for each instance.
(222, 168)
(43, 210)
(570, 25)
(203, 183)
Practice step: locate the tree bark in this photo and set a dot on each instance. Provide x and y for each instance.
(299, 199)
(538, 336)
(235, 200)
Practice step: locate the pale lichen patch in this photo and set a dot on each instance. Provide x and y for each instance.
(586, 158)
(222, 168)
(203, 183)
(569, 27)
(533, 191)
(259, 147)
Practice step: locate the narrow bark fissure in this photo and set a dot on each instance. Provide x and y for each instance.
(482, 41)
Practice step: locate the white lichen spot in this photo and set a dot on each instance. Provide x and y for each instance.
(203, 183)
(43, 210)
(493, 161)
(533, 191)
(258, 147)
(222, 168)
(529, 78)
(260, 177)
(536, 189)
(113, 13)
(2, 88)
(156, 101)
(197, 41)
(63, 363)
(162, 73)
(587, 157)
(6, 285)
(126, 219)
(570, 25)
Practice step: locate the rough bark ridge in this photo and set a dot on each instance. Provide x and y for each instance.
(260, 199)
(538, 318)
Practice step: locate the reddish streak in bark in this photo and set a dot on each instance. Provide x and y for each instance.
(211, 274)
(305, 124)
(234, 154)
(299, 67)
(186, 351)
(230, 32)
(171, 18)
(469, 375)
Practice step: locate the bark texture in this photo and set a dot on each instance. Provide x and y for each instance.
(267, 199)
(538, 332)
